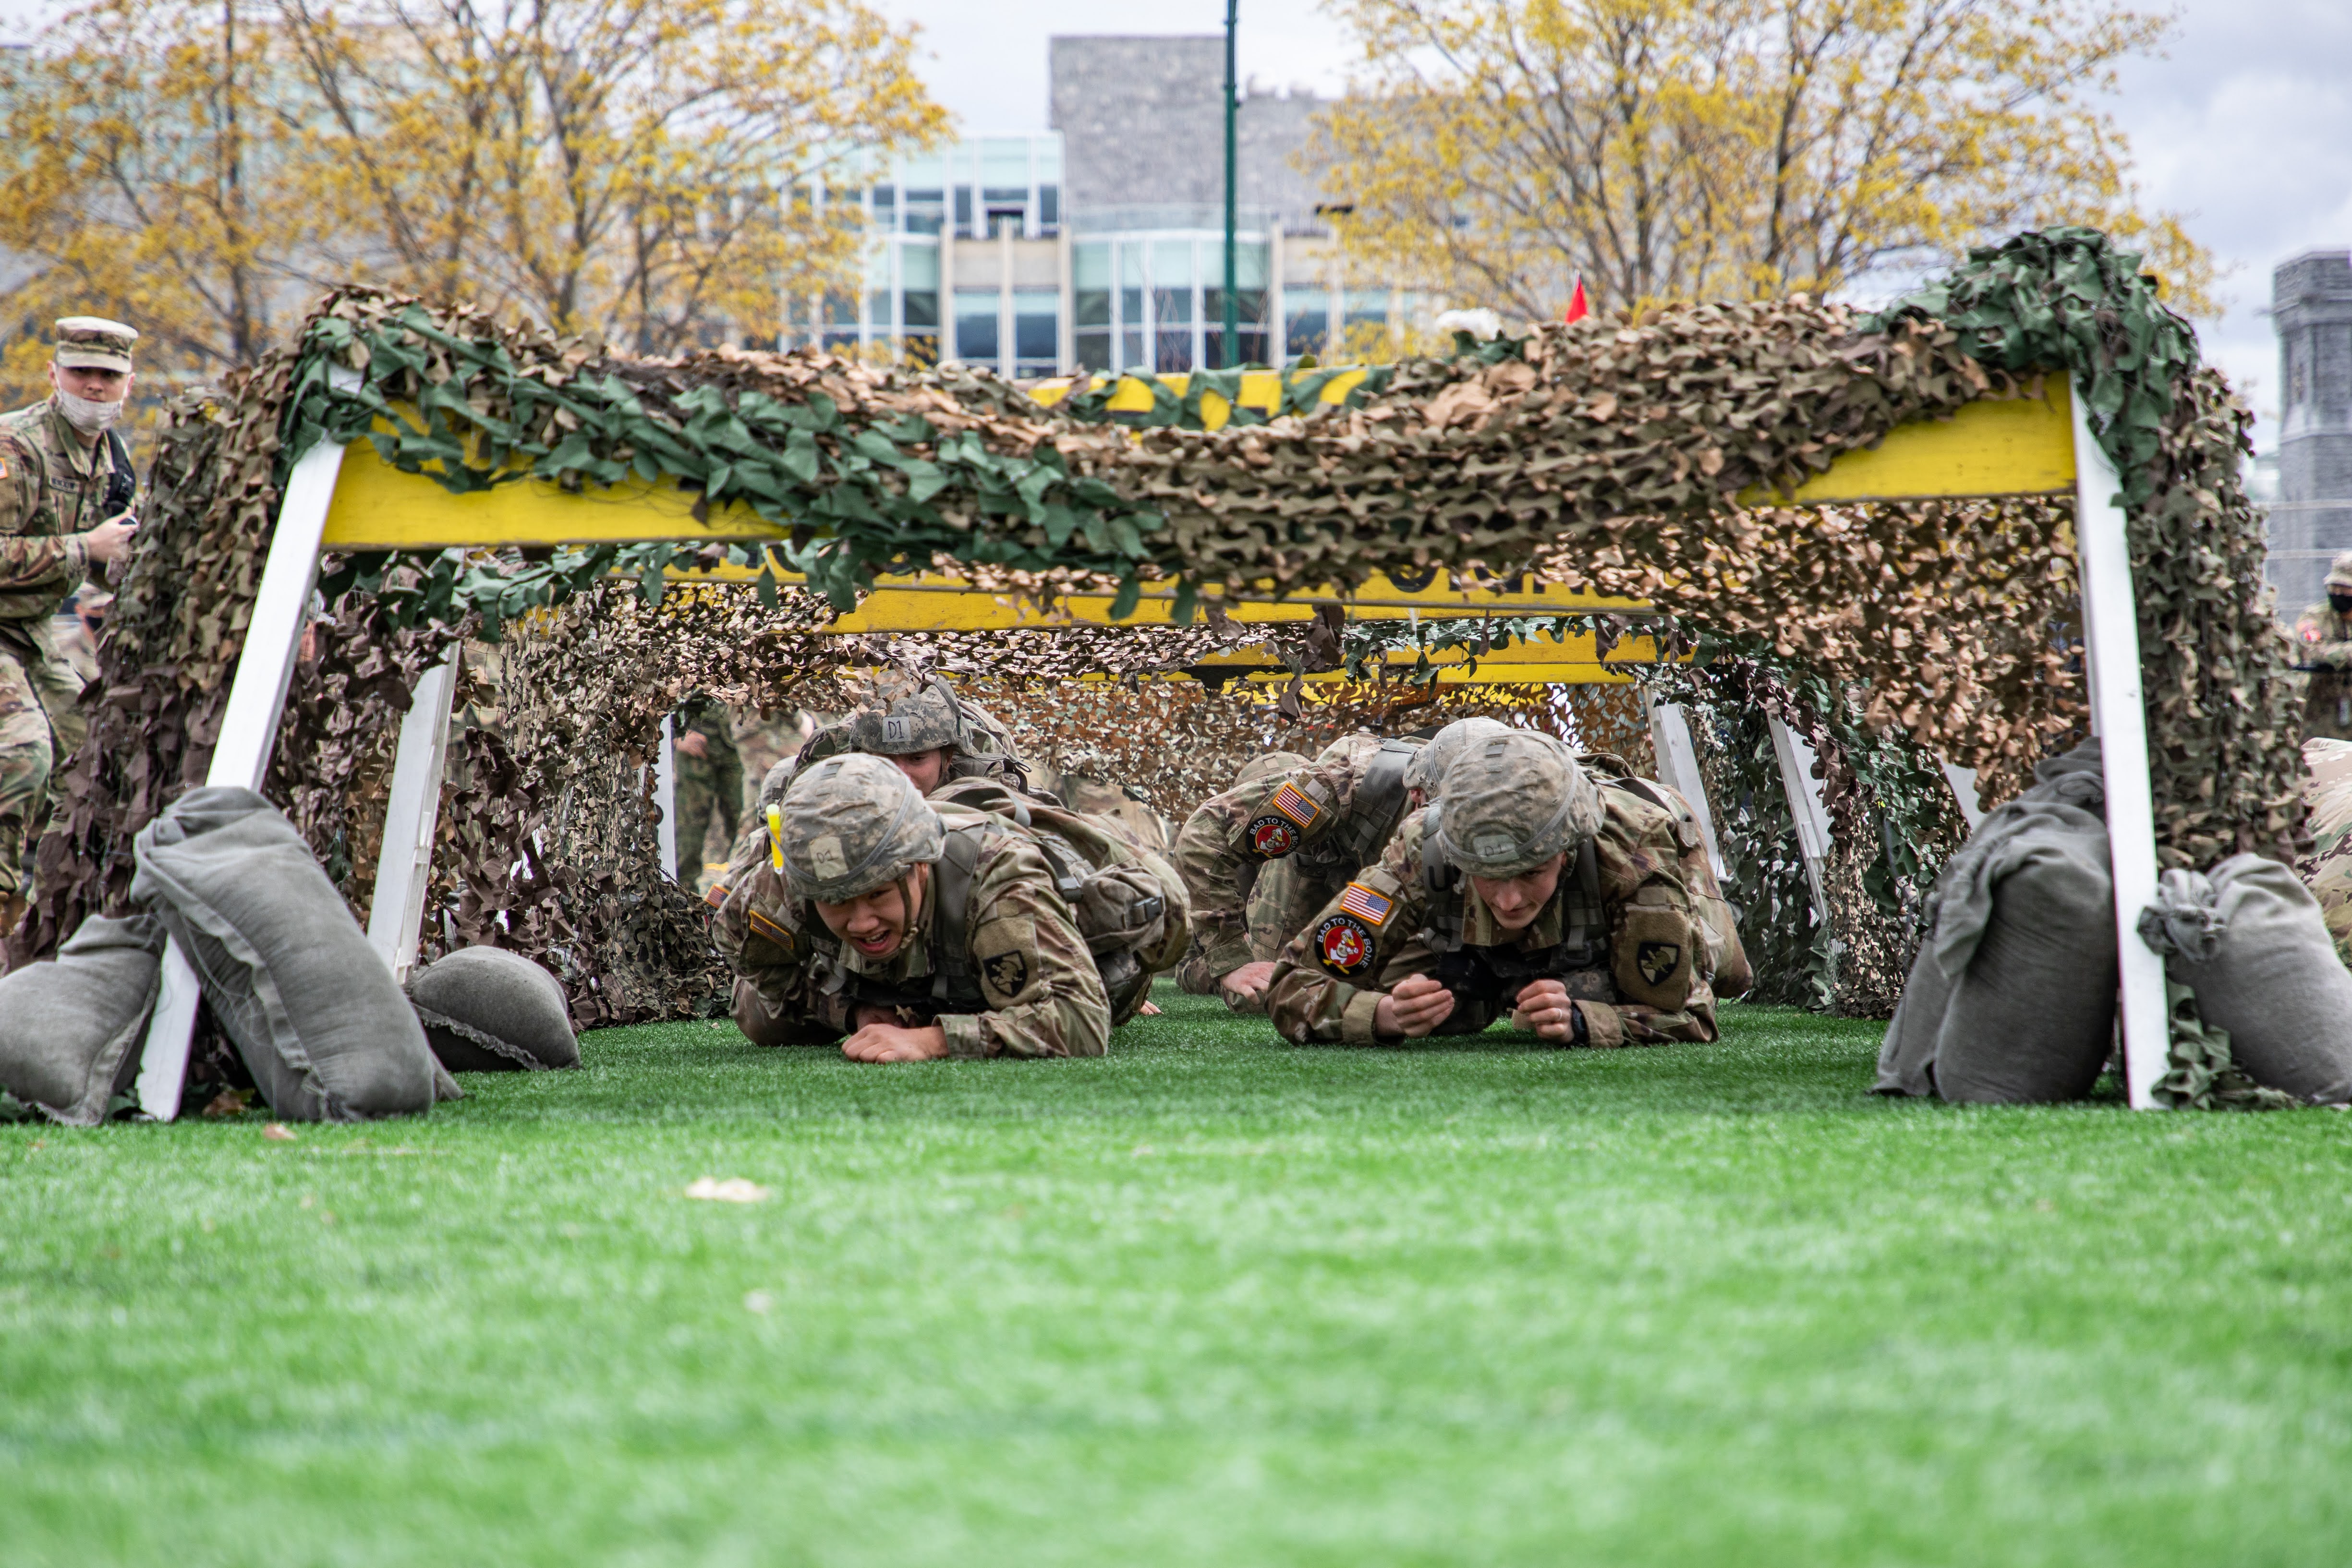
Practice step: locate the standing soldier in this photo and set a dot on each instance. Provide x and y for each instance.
(1526, 890)
(66, 493)
(710, 780)
(918, 933)
(2323, 645)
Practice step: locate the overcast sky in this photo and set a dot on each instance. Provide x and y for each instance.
(2246, 125)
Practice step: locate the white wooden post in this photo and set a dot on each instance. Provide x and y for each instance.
(1804, 792)
(410, 815)
(1670, 738)
(256, 698)
(2119, 718)
(666, 795)
(1963, 781)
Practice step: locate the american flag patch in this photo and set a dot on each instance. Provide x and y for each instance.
(1296, 806)
(1363, 901)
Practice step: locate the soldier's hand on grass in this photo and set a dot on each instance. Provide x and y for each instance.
(1417, 1006)
(1248, 983)
(1544, 1011)
(889, 1043)
(109, 539)
(692, 744)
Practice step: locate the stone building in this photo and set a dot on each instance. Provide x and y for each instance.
(1100, 243)
(2311, 520)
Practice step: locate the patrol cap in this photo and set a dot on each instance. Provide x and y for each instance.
(93, 344)
(848, 825)
(2339, 575)
(925, 719)
(1427, 768)
(1511, 801)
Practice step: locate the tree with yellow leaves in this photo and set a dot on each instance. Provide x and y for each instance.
(1713, 148)
(638, 168)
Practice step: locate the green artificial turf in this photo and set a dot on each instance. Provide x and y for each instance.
(1212, 1299)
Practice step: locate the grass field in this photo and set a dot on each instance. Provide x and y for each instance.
(1212, 1299)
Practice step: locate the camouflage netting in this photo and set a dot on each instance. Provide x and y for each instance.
(1607, 453)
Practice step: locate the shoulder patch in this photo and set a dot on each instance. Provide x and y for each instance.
(1006, 952)
(1361, 900)
(1343, 945)
(1292, 803)
(1272, 837)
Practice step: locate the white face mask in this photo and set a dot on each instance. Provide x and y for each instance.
(86, 414)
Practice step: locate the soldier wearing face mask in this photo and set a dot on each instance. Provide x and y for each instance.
(67, 490)
(2323, 645)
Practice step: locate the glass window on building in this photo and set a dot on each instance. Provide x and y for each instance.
(975, 326)
(1131, 321)
(1250, 302)
(1172, 346)
(1305, 325)
(1091, 325)
(918, 301)
(926, 210)
(1036, 332)
(885, 207)
(840, 319)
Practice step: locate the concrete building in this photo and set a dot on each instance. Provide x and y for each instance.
(1100, 243)
(2311, 520)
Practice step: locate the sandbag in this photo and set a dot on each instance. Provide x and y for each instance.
(2265, 970)
(70, 1029)
(2013, 996)
(310, 1006)
(485, 1010)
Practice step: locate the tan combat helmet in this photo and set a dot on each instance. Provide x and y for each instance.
(1511, 801)
(93, 344)
(1426, 771)
(848, 825)
(2339, 575)
(925, 719)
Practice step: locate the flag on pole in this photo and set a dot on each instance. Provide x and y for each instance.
(1578, 306)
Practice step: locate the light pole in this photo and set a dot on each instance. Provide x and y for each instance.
(1232, 354)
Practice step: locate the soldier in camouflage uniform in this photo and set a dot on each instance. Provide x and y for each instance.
(710, 779)
(932, 734)
(1526, 889)
(918, 932)
(2323, 645)
(1262, 858)
(66, 492)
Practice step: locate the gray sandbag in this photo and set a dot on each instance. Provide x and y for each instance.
(310, 1006)
(2250, 940)
(2012, 997)
(485, 1010)
(70, 1029)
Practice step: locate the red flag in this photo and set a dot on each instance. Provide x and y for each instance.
(1578, 308)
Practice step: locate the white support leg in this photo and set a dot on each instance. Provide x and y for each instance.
(410, 816)
(256, 699)
(1670, 738)
(1804, 791)
(666, 794)
(2119, 718)
(1963, 781)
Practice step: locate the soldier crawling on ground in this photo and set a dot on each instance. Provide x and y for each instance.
(2323, 645)
(1261, 858)
(932, 736)
(1526, 889)
(67, 488)
(922, 931)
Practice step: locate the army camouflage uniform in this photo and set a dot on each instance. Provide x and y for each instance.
(52, 493)
(1619, 933)
(2323, 645)
(1328, 817)
(707, 786)
(1024, 984)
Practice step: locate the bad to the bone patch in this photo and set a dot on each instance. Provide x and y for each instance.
(1343, 944)
(1273, 837)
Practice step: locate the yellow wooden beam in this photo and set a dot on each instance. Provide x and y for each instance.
(2004, 447)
